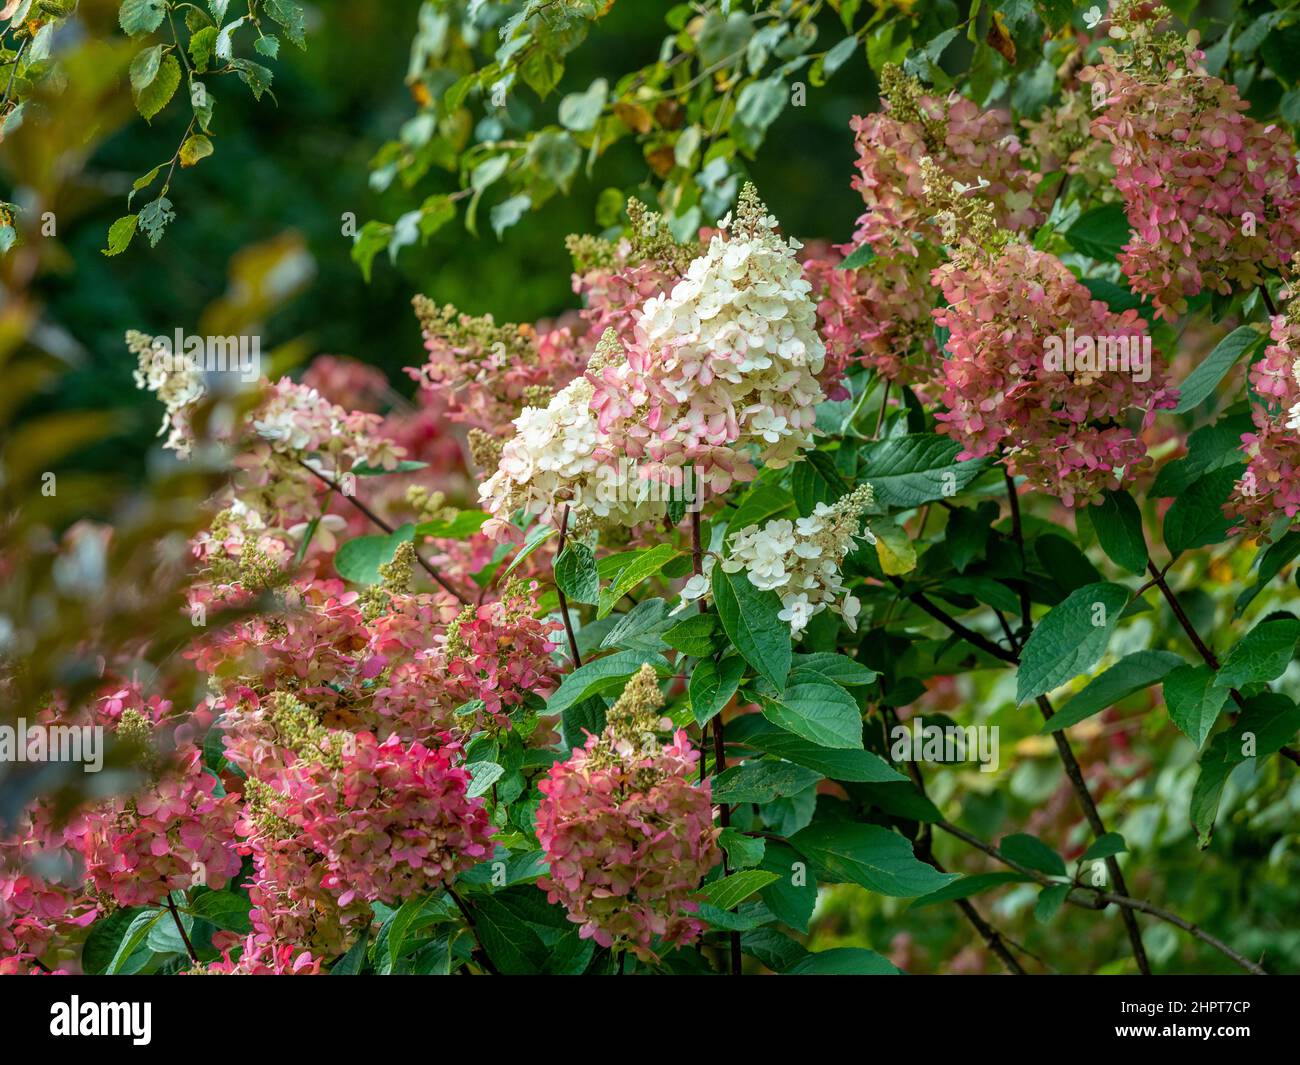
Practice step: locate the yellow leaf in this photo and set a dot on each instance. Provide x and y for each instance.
(196, 148)
(896, 552)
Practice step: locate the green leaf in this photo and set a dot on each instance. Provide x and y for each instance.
(202, 42)
(839, 55)
(851, 765)
(967, 534)
(1106, 845)
(106, 937)
(761, 504)
(352, 962)
(1266, 724)
(290, 16)
(1260, 655)
(120, 234)
(818, 710)
(712, 685)
(858, 258)
(1193, 702)
(225, 909)
(966, 886)
(843, 961)
(1130, 674)
(762, 781)
(1032, 852)
(1210, 447)
(816, 480)
(140, 16)
(600, 677)
(579, 110)
(144, 67)
(535, 539)
(575, 573)
(268, 45)
(1203, 380)
(793, 894)
(1196, 518)
(1050, 901)
(1119, 530)
(359, 559)
(879, 860)
(482, 776)
(371, 239)
(398, 924)
(133, 939)
(514, 947)
(254, 75)
(1116, 297)
(154, 96)
(464, 525)
(731, 891)
(908, 471)
(744, 852)
(842, 669)
(556, 156)
(1100, 233)
(154, 217)
(629, 569)
(757, 107)
(1070, 639)
(1270, 562)
(698, 635)
(641, 628)
(750, 618)
(506, 213)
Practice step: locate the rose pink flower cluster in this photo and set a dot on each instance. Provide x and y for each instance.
(499, 653)
(1061, 429)
(1270, 487)
(388, 821)
(290, 903)
(176, 831)
(628, 842)
(485, 373)
(878, 315)
(970, 145)
(263, 956)
(1212, 195)
(35, 909)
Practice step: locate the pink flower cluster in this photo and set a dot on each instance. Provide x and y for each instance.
(263, 956)
(1270, 487)
(1062, 429)
(970, 145)
(483, 373)
(380, 822)
(499, 653)
(878, 315)
(1212, 195)
(174, 833)
(36, 908)
(628, 843)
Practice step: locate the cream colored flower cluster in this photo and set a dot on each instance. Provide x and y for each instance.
(722, 373)
(799, 560)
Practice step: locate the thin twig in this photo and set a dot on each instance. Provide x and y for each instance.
(564, 603)
(1092, 898)
(377, 520)
(185, 937)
